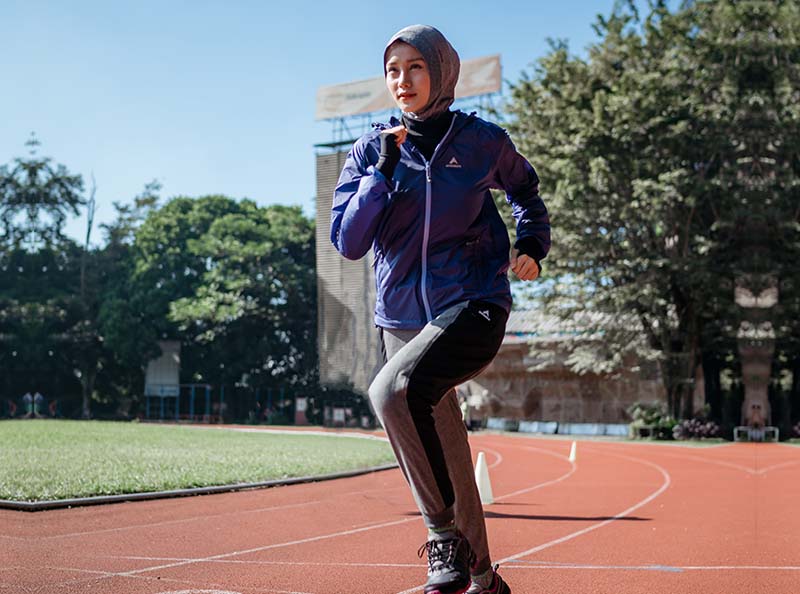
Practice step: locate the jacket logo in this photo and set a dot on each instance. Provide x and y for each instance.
(454, 163)
(484, 312)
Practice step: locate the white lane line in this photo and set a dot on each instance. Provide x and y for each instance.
(663, 568)
(9, 569)
(200, 592)
(515, 565)
(665, 485)
(204, 518)
(259, 562)
(747, 469)
(498, 456)
(573, 468)
(322, 537)
(171, 522)
(776, 466)
(184, 582)
(259, 549)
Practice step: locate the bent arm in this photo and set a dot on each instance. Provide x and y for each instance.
(359, 201)
(516, 176)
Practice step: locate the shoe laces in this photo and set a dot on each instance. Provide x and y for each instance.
(441, 553)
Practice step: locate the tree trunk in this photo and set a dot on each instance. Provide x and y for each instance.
(794, 401)
(712, 388)
(87, 387)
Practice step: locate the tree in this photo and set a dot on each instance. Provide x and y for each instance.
(254, 312)
(40, 307)
(35, 200)
(235, 283)
(127, 329)
(642, 145)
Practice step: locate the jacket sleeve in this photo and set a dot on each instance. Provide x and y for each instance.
(518, 179)
(359, 200)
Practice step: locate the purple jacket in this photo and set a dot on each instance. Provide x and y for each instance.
(436, 233)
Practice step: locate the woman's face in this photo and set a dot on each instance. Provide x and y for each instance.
(407, 77)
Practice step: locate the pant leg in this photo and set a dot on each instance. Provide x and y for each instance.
(427, 435)
(468, 508)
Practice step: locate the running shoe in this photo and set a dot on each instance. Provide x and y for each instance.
(498, 585)
(448, 565)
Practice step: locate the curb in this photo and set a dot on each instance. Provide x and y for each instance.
(33, 506)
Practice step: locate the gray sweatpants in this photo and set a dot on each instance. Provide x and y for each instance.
(414, 397)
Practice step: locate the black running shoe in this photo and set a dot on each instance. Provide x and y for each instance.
(448, 565)
(498, 585)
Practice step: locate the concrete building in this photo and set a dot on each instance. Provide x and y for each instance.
(514, 386)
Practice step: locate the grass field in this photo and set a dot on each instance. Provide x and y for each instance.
(53, 459)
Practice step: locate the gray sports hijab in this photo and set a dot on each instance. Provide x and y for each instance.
(443, 65)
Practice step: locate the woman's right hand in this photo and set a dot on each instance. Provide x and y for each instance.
(389, 157)
(398, 134)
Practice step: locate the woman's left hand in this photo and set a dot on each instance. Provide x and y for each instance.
(524, 266)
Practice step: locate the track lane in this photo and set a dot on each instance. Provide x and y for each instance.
(723, 522)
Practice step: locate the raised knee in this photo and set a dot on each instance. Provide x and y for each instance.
(385, 392)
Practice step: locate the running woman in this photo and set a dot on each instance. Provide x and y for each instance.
(416, 191)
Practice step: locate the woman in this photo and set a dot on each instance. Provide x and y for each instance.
(417, 192)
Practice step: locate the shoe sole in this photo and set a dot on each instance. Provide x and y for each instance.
(459, 591)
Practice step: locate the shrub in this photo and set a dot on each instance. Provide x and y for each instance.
(652, 414)
(697, 428)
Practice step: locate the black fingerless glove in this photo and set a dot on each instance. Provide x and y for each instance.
(389, 156)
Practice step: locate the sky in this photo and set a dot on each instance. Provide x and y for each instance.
(218, 97)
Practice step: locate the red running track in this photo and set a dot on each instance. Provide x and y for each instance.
(624, 518)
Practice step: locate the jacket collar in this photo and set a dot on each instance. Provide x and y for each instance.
(460, 119)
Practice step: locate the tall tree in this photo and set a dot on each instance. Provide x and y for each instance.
(233, 281)
(36, 198)
(40, 305)
(642, 144)
(254, 313)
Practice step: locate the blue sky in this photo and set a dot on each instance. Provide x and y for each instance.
(218, 97)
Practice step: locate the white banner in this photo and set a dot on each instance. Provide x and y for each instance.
(479, 76)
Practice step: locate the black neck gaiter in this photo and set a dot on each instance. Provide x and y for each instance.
(427, 134)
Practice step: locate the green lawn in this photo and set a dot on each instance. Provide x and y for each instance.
(52, 459)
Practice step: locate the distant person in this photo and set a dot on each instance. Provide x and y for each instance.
(757, 422)
(38, 405)
(416, 190)
(27, 400)
(466, 413)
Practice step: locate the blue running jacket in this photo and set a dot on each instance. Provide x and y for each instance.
(435, 231)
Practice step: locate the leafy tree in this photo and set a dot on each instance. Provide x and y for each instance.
(128, 333)
(35, 200)
(254, 314)
(644, 144)
(233, 281)
(40, 306)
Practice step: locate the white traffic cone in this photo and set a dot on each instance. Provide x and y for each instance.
(573, 451)
(482, 480)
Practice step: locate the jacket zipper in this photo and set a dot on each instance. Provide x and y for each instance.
(426, 229)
